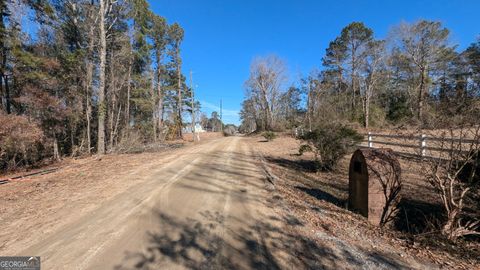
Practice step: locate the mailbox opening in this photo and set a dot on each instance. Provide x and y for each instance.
(357, 166)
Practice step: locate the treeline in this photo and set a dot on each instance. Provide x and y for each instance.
(414, 77)
(93, 73)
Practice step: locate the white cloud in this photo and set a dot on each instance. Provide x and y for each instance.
(229, 116)
(213, 107)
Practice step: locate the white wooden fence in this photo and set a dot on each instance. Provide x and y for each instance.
(420, 146)
(417, 145)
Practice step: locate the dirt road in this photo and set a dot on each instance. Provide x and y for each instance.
(207, 206)
(199, 209)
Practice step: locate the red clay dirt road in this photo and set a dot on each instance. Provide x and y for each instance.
(205, 206)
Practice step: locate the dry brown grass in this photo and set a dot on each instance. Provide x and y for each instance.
(306, 189)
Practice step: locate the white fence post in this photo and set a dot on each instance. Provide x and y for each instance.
(370, 143)
(423, 144)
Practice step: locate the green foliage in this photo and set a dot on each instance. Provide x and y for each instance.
(214, 123)
(472, 54)
(290, 108)
(397, 107)
(52, 80)
(176, 33)
(141, 23)
(269, 135)
(304, 148)
(352, 36)
(330, 143)
(376, 116)
(159, 32)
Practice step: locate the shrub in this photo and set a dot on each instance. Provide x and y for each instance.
(304, 148)
(269, 135)
(330, 143)
(131, 142)
(20, 140)
(376, 116)
(229, 130)
(453, 176)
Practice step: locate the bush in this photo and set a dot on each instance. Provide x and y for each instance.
(131, 142)
(453, 176)
(269, 135)
(229, 130)
(376, 117)
(20, 140)
(304, 148)
(330, 143)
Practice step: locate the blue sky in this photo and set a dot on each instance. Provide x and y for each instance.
(223, 36)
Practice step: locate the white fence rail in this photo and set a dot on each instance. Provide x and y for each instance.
(418, 145)
(415, 145)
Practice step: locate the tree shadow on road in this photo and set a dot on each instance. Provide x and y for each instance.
(193, 244)
(211, 240)
(196, 245)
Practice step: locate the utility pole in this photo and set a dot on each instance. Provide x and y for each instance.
(194, 134)
(221, 119)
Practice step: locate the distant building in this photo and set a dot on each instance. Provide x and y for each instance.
(198, 128)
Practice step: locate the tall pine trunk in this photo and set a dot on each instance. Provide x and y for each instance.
(101, 88)
(153, 102)
(179, 95)
(7, 94)
(1, 91)
(88, 87)
(159, 94)
(192, 96)
(3, 54)
(127, 107)
(113, 102)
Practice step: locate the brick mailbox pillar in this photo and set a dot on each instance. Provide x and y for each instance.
(374, 184)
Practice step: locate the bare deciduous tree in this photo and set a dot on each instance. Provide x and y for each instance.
(264, 86)
(372, 71)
